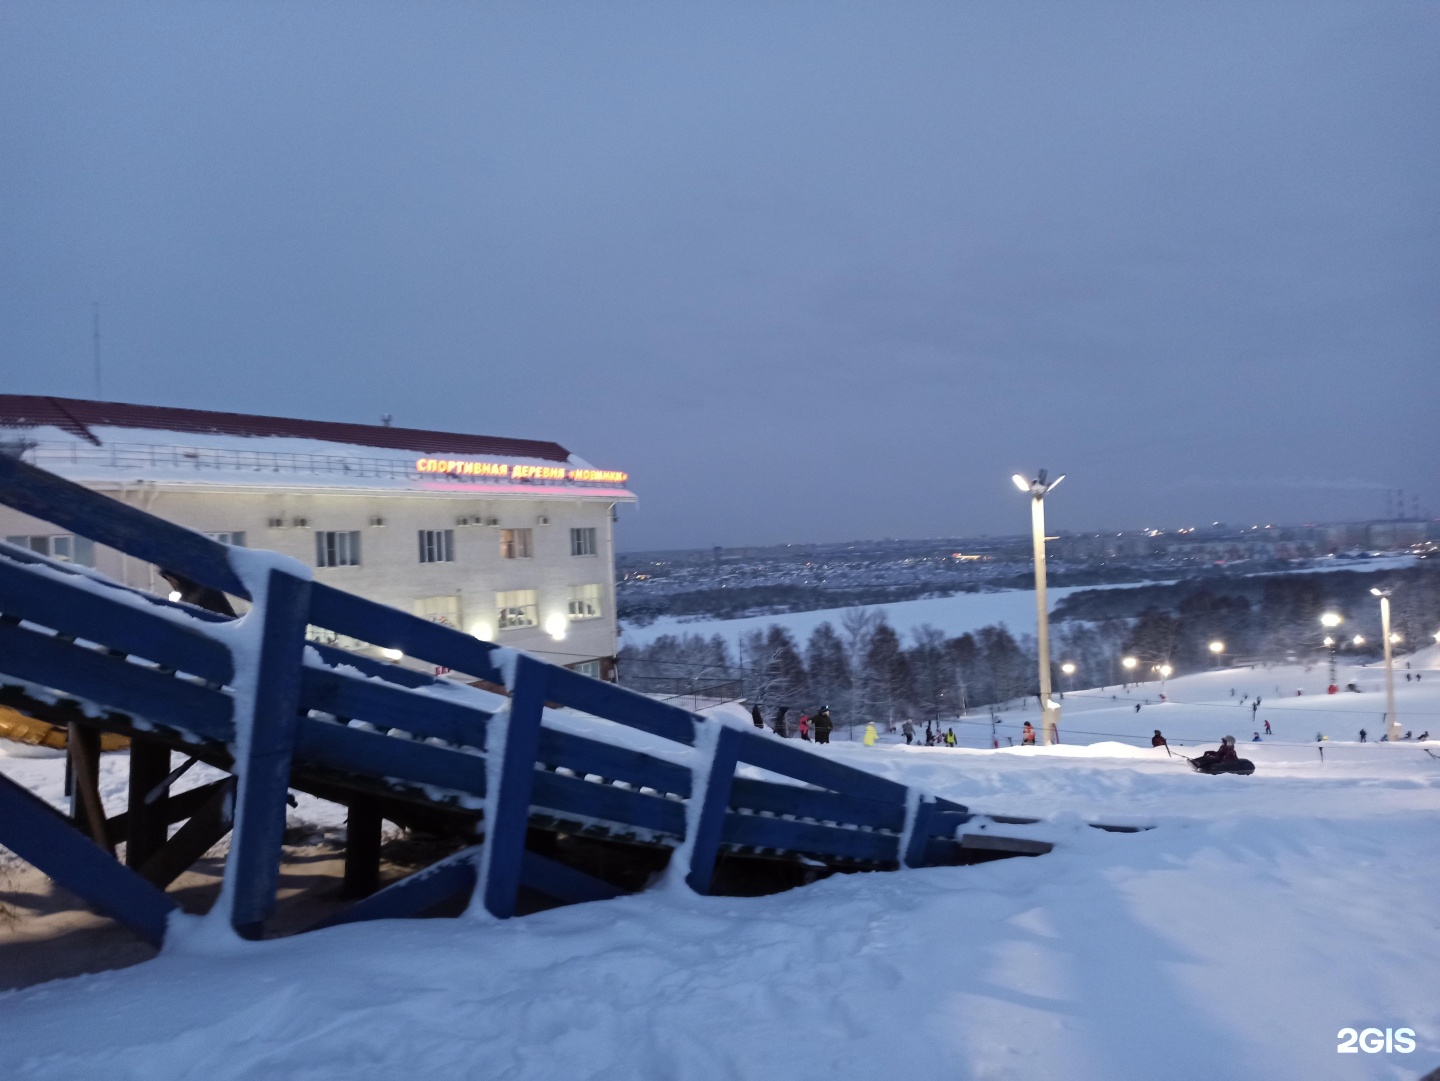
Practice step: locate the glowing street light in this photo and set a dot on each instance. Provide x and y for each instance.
(1359, 639)
(1394, 729)
(1068, 668)
(1217, 647)
(1332, 620)
(1164, 670)
(1049, 709)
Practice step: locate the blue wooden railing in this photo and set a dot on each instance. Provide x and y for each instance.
(249, 691)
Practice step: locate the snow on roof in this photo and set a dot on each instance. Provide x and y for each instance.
(79, 417)
(115, 442)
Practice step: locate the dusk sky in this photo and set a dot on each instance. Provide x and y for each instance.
(807, 271)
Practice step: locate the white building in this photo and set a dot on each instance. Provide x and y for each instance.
(508, 539)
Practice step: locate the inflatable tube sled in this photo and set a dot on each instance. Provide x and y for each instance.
(1208, 764)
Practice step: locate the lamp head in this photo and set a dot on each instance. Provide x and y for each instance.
(1037, 487)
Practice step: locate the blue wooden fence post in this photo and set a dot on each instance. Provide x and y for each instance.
(254, 864)
(508, 807)
(705, 845)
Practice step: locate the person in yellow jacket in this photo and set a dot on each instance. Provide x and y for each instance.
(870, 734)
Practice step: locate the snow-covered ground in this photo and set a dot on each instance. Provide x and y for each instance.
(1259, 917)
(954, 615)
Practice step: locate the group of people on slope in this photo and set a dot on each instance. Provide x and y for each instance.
(819, 727)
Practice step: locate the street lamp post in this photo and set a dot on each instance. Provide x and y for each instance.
(1394, 727)
(1049, 709)
(1129, 663)
(1331, 620)
(1164, 670)
(1217, 647)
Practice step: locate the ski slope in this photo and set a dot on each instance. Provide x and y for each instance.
(1234, 939)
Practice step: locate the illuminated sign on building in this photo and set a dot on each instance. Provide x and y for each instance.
(500, 470)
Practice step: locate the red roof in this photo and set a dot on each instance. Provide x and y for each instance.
(78, 416)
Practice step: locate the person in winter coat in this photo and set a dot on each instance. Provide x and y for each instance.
(805, 728)
(1255, 738)
(781, 728)
(950, 740)
(1225, 753)
(909, 729)
(870, 734)
(755, 716)
(1157, 740)
(822, 725)
(1267, 729)
(1027, 735)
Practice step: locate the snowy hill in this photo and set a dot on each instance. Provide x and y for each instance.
(1260, 916)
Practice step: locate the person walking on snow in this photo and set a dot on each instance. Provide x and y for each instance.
(1362, 735)
(1157, 740)
(870, 734)
(823, 725)
(805, 728)
(1027, 735)
(1267, 728)
(755, 716)
(781, 729)
(909, 729)
(950, 740)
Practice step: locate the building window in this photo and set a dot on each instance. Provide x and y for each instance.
(585, 602)
(437, 546)
(582, 541)
(515, 543)
(588, 668)
(340, 549)
(64, 547)
(517, 608)
(235, 537)
(443, 609)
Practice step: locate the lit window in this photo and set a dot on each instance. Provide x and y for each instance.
(443, 609)
(582, 541)
(584, 602)
(235, 537)
(64, 547)
(515, 544)
(337, 549)
(437, 546)
(517, 608)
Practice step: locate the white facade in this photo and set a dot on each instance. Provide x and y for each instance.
(511, 550)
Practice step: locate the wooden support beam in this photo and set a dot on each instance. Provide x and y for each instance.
(414, 895)
(192, 840)
(363, 825)
(508, 809)
(86, 808)
(705, 845)
(43, 837)
(146, 823)
(265, 740)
